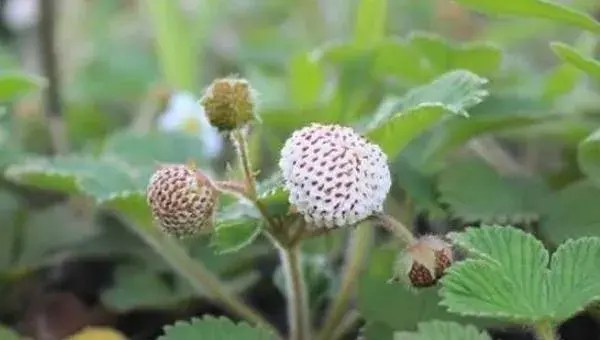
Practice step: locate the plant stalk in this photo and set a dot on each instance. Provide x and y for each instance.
(359, 246)
(296, 293)
(545, 331)
(199, 277)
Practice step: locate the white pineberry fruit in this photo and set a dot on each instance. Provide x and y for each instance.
(182, 200)
(335, 177)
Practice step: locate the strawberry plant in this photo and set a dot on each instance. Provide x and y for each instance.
(428, 172)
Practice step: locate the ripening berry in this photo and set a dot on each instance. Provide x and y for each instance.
(424, 262)
(229, 103)
(182, 200)
(335, 177)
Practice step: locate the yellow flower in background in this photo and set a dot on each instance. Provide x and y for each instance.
(97, 333)
(184, 113)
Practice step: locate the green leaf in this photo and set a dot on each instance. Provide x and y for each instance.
(154, 148)
(423, 107)
(8, 334)
(569, 55)
(51, 230)
(233, 235)
(306, 80)
(371, 19)
(588, 156)
(385, 303)
(561, 81)
(443, 330)
(210, 328)
(508, 278)
(100, 178)
(135, 288)
(175, 47)
(571, 212)
(488, 197)
(574, 280)
(535, 9)
(15, 84)
(443, 56)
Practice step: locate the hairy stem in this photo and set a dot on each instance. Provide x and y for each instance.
(199, 277)
(241, 146)
(545, 331)
(395, 227)
(360, 243)
(296, 293)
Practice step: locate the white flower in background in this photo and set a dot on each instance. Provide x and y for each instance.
(184, 113)
(21, 14)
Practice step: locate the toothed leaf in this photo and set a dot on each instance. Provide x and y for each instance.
(443, 330)
(210, 328)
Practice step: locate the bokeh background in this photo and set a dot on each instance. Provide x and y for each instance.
(111, 66)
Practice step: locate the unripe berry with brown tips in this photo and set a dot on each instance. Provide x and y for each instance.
(229, 103)
(182, 200)
(424, 262)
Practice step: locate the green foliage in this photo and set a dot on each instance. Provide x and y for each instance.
(535, 9)
(422, 107)
(439, 330)
(385, 304)
(8, 334)
(512, 199)
(509, 279)
(176, 46)
(370, 22)
(211, 328)
(16, 84)
(571, 56)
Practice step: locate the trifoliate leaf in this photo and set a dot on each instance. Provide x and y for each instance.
(443, 330)
(507, 282)
(574, 280)
(14, 84)
(474, 192)
(508, 278)
(570, 212)
(535, 9)
(230, 236)
(210, 328)
(570, 55)
(421, 108)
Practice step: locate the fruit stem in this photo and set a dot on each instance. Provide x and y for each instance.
(395, 227)
(199, 277)
(360, 242)
(296, 292)
(241, 145)
(545, 331)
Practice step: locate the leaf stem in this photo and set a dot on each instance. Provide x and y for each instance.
(298, 311)
(199, 277)
(360, 243)
(545, 331)
(395, 227)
